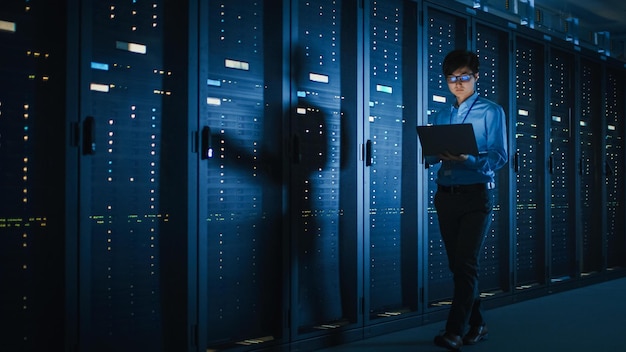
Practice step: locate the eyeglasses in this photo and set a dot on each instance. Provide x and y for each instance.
(463, 78)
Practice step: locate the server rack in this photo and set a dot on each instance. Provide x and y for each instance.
(322, 168)
(614, 105)
(32, 177)
(444, 32)
(561, 168)
(447, 32)
(530, 164)
(493, 48)
(124, 92)
(391, 250)
(590, 157)
(240, 200)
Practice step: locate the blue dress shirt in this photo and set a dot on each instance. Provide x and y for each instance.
(489, 124)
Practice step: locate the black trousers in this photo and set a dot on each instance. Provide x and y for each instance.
(464, 218)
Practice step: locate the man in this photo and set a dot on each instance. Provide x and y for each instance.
(464, 198)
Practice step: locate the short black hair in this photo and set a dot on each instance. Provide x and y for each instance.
(460, 58)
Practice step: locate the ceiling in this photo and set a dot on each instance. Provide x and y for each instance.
(600, 24)
(596, 15)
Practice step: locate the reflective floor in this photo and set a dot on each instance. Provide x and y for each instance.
(587, 319)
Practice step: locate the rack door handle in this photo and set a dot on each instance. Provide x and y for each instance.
(368, 153)
(581, 166)
(89, 136)
(296, 153)
(206, 143)
(551, 164)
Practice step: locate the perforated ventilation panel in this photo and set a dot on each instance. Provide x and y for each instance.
(315, 121)
(561, 168)
(529, 245)
(124, 94)
(32, 177)
(614, 168)
(443, 36)
(240, 181)
(589, 124)
(391, 120)
(493, 84)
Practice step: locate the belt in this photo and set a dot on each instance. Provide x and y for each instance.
(474, 187)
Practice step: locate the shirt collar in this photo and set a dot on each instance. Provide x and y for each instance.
(467, 101)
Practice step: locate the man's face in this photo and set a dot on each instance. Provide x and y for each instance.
(462, 83)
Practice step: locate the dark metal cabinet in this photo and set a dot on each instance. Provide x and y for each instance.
(391, 237)
(530, 164)
(129, 94)
(322, 167)
(561, 168)
(241, 242)
(614, 105)
(590, 141)
(445, 32)
(492, 46)
(33, 139)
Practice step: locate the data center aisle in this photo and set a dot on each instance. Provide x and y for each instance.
(590, 318)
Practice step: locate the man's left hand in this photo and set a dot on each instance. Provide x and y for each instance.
(451, 157)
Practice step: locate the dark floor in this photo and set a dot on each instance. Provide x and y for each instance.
(589, 319)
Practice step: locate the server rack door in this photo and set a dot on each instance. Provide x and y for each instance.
(529, 160)
(32, 176)
(445, 32)
(589, 167)
(123, 94)
(391, 166)
(241, 246)
(322, 183)
(492, 47)
(561, 168)
(614, 169)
